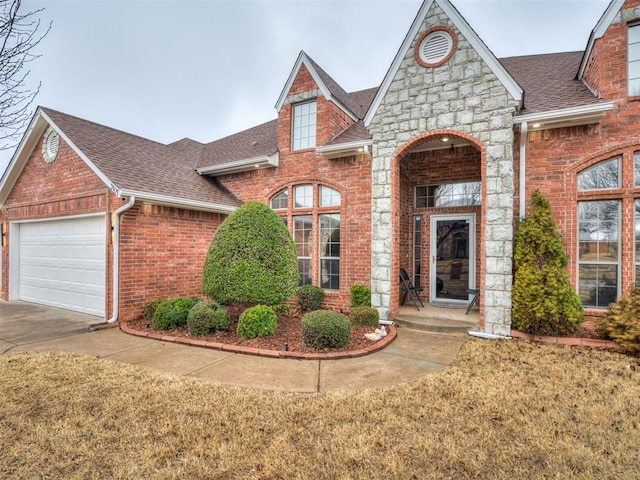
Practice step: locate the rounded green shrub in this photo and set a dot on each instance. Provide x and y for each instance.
(622, 322)
(309, 297)
(258, 321)
(325, 329)
(364, 316)
(360, 296)
(150, 309)
(251, 259)
(205, 317)
(172, 313)
(282, 309)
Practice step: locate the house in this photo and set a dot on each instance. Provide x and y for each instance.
(427, 171)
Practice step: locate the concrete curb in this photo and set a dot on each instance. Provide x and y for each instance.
(373, 347)
(572, 341)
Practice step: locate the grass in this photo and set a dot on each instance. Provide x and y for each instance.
(502, 410)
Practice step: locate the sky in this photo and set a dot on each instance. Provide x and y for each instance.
(204, 69)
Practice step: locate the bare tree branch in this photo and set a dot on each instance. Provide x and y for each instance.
(20, 33)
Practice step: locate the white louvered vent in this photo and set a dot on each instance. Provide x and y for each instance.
(435, 47)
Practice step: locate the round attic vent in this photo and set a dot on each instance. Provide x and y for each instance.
(436, 47)
(50, 145)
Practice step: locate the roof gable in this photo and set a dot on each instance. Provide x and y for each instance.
(599, 30)
(470, 35)
(329, 88)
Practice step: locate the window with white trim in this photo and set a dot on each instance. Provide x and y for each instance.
(633, 60)
(303, 129)
(302, 237)
(600, 176)
(598, 252)
(303, 196)
(280, 200)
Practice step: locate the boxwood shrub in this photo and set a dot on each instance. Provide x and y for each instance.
(172, 313)
(364, 316)
(360, 296)
(206, 317)
(150, 309)
(309, 297)
(258, 321)
(325, 329)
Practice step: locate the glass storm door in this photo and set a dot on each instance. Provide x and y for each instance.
(452, 252)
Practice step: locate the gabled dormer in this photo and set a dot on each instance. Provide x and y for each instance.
(611, 63)
(312, 108)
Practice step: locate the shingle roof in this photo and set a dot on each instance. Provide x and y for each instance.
(138, 164)
(258, 141)
(549, 81)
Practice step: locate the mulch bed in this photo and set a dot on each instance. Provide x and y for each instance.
(289, 332)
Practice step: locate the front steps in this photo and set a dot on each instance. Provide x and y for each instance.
(436, 319)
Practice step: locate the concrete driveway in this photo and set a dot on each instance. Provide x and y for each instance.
(26, 327)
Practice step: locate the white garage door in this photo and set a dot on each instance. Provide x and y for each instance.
(62, 263)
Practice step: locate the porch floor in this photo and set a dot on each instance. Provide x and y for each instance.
(438, 319)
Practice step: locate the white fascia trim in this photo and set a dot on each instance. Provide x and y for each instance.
(349, 148)
(598, 31)
(304, 60)
(167, 201)
(587, 113)
(470, 35)
(263, 161)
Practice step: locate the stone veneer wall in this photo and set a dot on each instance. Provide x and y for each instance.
(461, 95)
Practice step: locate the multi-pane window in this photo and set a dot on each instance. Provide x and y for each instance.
(280, 200)
(329, 197)
(417, 250)
(315, 226)
(302, 237)
(601, 176)
(303, 133)
(598, 252)
(448, 195)
(303, 196)
(633, 56)
(636, 169)
(329, 239)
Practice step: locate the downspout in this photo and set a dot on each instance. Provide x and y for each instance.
(116, 256)
(524, 127)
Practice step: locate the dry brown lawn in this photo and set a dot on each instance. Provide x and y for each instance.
(511, 410)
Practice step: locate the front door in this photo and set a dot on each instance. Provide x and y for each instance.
(452, 252)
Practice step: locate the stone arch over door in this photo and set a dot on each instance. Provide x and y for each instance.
(434, 150)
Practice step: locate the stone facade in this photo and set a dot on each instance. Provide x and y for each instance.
(461, 97)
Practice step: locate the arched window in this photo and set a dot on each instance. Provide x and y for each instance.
(314, 218)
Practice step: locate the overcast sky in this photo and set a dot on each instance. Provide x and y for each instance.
(169, 69)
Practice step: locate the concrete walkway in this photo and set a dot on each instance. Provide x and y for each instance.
(26, 327)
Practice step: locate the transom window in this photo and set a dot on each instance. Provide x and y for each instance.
(316, 233)
(601, 176)
(303, 134)
(633, 55)
(448, 195)
(598, 252)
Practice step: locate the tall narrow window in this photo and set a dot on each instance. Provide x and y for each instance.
(302, 235)
(633, 55)
(598, 252)
(636, 169)
(329, 237)
(303, 132)
(417, 251)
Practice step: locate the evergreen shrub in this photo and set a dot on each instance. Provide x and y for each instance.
(172, 313)
(364, 316)
(622, 322)
(543, 301)
(251, 259)
(309, 297)
(360, 296)
(206, 317)
(258, 321)
(150, 309)
(325, 329)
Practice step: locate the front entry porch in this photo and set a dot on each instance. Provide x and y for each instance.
(438, 319)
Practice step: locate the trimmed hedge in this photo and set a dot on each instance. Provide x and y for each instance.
(622, 323)
(360, 296)
(206, 317)
(258, 321)
(149, 309)
(309, 297)
(325, 329)
(251, 259)
(364, 316)
(172, 313)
